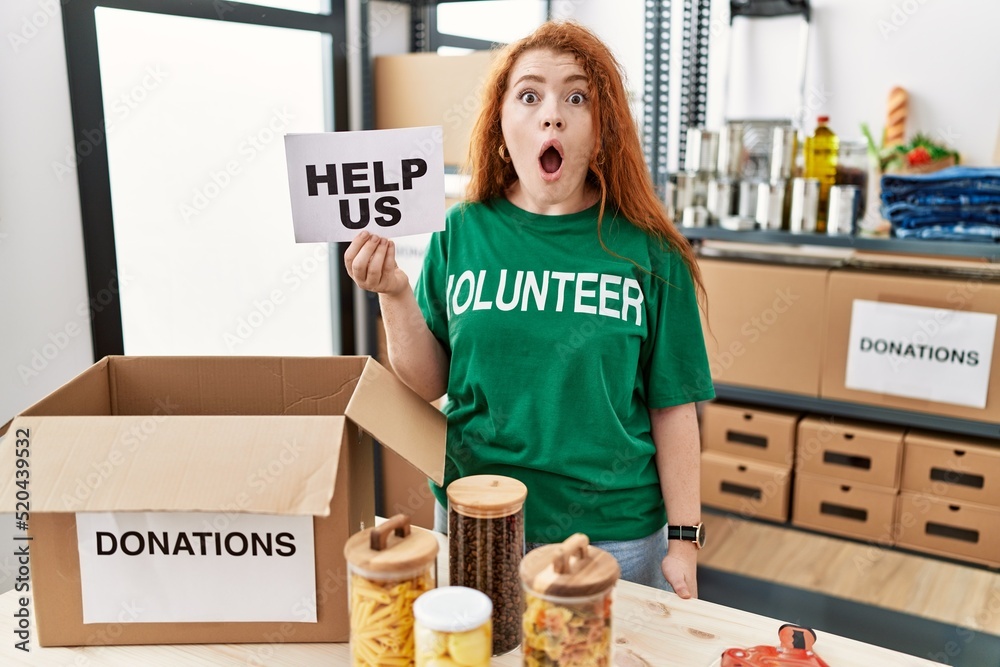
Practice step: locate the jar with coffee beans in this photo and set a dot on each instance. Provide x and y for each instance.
(485, 547)
(567, 616)
(389, 567)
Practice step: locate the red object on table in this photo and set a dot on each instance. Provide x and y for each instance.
(796, 650)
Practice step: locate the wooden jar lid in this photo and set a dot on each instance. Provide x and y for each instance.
(570, 570)
(486, 496)
(391, 548)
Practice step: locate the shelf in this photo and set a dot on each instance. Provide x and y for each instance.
(825, 406)
(988, 251)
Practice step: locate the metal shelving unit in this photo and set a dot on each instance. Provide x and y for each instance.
(988, 251)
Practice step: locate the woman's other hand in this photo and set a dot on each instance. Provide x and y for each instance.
(371, 263)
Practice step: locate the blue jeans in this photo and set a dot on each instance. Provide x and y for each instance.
(639, 559)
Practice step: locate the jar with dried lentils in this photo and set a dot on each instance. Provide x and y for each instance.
(485, 547)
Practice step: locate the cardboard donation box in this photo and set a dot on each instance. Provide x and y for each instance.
(914, 343)
(752, 488)
(764, 326)
(845, 508)
(743, 431)
(849, 450)
(207, 499)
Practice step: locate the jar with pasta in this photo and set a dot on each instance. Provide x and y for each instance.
(568, 593)
(485, 547)
(453, 628)
(389, 567)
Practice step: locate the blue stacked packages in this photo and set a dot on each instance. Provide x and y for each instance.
(958, 204)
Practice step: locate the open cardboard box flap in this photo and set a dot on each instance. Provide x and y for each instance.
(414, 429)
(180, 464)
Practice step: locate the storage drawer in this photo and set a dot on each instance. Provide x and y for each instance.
(952, 467)
(749, 487)
(949, 528)
(845, 508)
(850, 451)
(744, 432)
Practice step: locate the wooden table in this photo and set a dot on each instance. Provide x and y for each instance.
(652, 629)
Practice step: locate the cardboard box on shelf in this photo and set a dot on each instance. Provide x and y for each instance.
(850, 450)
(845, 507)
(749, 487)
(421, 89)
(952, 466)
(945, 527)
(905, 347)
(749, 432)
(230, 438)
(764, 326)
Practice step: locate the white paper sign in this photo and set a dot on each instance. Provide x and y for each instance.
(926, 353)
(176, 567)
(388, 182)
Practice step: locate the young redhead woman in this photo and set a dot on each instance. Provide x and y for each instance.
(559, 312)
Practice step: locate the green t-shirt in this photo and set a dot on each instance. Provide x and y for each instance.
(557, 351)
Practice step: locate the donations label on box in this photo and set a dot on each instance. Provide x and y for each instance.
(933, 354)
(196, 567)
(387, 182)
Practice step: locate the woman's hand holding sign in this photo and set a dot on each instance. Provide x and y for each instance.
(371, 263)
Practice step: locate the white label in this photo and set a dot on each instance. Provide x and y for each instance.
(177, 567)
(926, 353)
(388, 182)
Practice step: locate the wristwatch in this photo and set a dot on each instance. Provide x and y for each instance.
(694, 534)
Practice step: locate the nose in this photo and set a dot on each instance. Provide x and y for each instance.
(551, 116)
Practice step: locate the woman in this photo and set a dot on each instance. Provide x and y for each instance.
(558, 311)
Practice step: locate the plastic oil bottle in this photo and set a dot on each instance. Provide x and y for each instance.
(821, 162)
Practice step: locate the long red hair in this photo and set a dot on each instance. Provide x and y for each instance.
(617, 169)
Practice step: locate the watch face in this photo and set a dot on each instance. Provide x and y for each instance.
(700, 537)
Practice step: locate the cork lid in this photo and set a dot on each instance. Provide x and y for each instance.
(486, 496)
(571, 569)
(391, 548)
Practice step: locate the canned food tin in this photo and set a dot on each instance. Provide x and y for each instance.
(731, 156)
(694, 217)
(702, 151)
(747, 205)
(805, 205)
(770, 205)
(845, 206)
(783, 146)
(719, 200)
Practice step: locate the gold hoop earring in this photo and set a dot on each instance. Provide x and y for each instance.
(503, 153)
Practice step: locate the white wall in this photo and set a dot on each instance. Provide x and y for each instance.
(944, 52)
(45, 337)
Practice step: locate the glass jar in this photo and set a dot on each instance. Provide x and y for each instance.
(852, 169)
(453, 627)
(389, 567)
(485, 547)
(568, 593)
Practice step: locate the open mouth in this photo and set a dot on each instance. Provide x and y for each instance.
(550, 159)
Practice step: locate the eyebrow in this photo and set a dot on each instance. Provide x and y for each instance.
(539, 79)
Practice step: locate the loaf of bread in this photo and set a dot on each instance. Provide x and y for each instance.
(895, 119)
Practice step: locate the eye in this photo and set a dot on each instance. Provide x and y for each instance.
(528, 97)
(577, 98)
